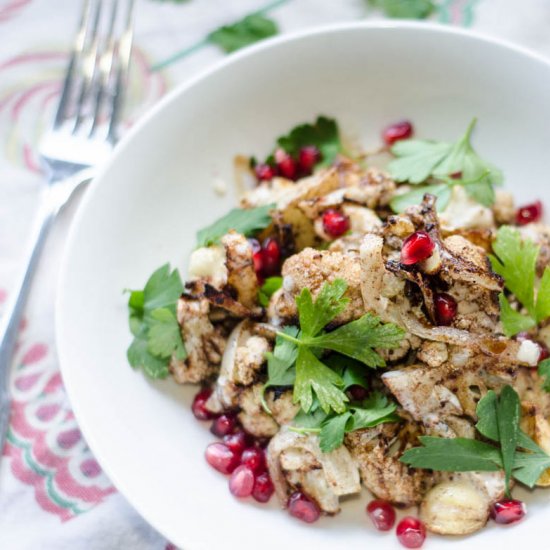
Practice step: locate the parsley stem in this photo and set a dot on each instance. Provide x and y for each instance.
(470, 129)
(180, 55)
(205, 41)
(286, 336)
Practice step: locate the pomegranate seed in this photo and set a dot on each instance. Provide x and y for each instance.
(416, 248)
(199, 405)
(529, 213)
(224, 425)
(335, 223)
(257, 256)
(271, 257)
(222, 458)
(382, 514)
(254, 458)
(264, 172)
(508, 511)
(358, 393)
(445, 309)
(397, 131)
(263, 488)
(307, 159)
(286, 165)
(303, 508)
(544, 352)
(236, 442)
(241, 482)
(411, 532)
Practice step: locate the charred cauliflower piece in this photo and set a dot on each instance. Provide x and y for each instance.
(296, 462)
(373, 188)
(288, 195)
(311, 269)
(204, 342)
(375, 453)
(252, 415)
(281, 405)
(225, 276)
(243, 358)
(241, 274)
(421, 392)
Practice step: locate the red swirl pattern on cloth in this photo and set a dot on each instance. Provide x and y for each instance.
(12, 9)
(45, 445)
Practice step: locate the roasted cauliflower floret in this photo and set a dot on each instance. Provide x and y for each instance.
(241, 274)
(296, 462)
(243, 358)
(204, 342)
(434, 354)
(311, 269)
(254, 419)
(382, 473)
(281, 405)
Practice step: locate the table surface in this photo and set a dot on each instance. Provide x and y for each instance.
(48, 476)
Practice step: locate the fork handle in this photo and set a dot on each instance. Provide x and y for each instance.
(11, 317)
(51, 202)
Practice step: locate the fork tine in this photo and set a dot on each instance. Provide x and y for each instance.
(105, 62)
(88, 67)
(124, 50)
(78, 48)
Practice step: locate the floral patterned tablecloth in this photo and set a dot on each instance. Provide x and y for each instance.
(53, 493)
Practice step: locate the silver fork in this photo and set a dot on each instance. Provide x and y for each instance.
(82, 136)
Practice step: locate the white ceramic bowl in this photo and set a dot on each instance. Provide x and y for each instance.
(147, 204)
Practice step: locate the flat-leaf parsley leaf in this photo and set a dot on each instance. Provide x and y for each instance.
(418, 160)
(152, 319)
(515, 260)
(248, 30)
(301, 355)
(498, 420)
(323, 134)
(374, 410)
(247, 221)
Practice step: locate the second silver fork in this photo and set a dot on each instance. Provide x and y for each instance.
(82, 136)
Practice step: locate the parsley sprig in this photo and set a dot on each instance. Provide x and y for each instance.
(374, 410)
(515, 260)
(323, 134)
(250, 29)
(297, 357)
(443, 165)
(247, 221)
(153, 323)
(511, 449)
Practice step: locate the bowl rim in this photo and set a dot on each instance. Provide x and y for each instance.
(163, 103)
